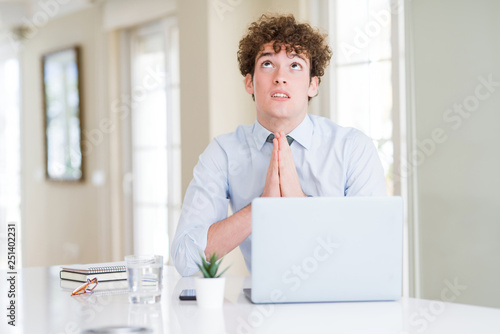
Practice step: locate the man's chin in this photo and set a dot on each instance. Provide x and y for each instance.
(279, 114)
(282, 115)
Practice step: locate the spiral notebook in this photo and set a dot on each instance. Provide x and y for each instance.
(109, 271)
(96, 268)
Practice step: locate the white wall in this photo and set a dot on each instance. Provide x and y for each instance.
(230, 104)
(194, 78)
(62, 222)
(455, 44)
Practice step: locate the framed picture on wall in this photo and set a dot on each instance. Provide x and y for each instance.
(61, 75)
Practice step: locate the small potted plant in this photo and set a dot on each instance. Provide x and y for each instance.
(210, 287)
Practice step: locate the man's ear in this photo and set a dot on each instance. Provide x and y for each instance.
(313, 87)
(249, 84)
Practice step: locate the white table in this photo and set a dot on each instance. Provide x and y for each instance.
(42, 306)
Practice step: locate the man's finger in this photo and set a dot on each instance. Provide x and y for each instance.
(272, 185)
(289, 180)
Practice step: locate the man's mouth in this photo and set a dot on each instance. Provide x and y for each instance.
(280, 95)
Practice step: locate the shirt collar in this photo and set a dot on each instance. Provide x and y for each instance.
(302, 134)
(260, 135)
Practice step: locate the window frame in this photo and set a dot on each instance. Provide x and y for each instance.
(167, 26)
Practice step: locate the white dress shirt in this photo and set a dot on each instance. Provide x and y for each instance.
(331, 161)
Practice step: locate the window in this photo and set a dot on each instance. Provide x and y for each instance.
(154, 136)
(362, 66)
(363, 81)
(10, 167)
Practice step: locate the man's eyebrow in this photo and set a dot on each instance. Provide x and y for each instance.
(270, 54)
(265, 54)
(299, 56)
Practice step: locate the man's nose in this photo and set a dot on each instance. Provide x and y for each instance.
(280, 77)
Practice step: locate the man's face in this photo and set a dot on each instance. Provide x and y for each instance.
(281, 86)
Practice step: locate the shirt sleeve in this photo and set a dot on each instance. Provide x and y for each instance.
(364, 174)
(206, 202)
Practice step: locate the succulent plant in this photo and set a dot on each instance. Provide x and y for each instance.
(209, 269)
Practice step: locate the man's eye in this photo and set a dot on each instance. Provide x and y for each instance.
(267, 64)
(296, 66)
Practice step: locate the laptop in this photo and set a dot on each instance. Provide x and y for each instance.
(326, 249)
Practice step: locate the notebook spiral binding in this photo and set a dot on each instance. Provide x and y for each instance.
(96, 270)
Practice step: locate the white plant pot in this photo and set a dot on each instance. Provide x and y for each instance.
(210, 291)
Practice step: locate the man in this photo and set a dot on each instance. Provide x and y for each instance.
(282, 62)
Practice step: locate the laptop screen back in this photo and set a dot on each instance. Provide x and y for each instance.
(326, 249)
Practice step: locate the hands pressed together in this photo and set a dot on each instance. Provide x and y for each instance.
(282, 179)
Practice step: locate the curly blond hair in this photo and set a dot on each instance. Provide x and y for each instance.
(284, 30)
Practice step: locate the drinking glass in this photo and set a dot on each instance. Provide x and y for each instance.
(144, 275)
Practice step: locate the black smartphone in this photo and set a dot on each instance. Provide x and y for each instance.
(188, 294)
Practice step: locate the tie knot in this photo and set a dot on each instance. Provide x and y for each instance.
(271, 137)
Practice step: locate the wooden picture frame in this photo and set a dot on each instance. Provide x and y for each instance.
(62, 101)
